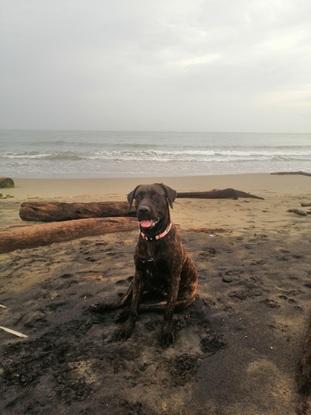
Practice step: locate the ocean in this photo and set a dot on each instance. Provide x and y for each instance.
(77, 154)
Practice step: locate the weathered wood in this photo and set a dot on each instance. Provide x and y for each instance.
(14, 332)
(298, 212)
(218, 194)
(294, 173)
(305, 204)
(47, 233)
(57, 211)
(6, 182)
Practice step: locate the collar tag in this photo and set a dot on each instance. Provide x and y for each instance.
(159, 235)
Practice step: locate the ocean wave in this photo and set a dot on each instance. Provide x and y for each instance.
(42, 156)
(162, 156)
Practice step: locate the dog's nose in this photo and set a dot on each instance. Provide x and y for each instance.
(143, 210)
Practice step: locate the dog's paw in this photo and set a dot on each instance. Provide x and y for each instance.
(167, 338)
(121, 316)
(100, 308)
(124, 332)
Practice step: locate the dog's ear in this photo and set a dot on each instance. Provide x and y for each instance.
(131, 196)
(170, 193)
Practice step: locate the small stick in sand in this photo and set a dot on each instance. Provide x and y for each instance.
(298, 212)
(2, 306)
(305, 204)
(14, 332)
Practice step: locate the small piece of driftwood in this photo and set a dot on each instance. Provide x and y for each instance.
(14, 332)
(294, 173)
(298, 212)
(305, 204)
(218, 194)
(2, 306)
(57, 211)
(47, 233)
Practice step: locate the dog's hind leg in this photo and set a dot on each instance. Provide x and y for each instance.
(131, 312)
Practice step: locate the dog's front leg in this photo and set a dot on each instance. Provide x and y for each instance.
(167, 335)
(127, 328)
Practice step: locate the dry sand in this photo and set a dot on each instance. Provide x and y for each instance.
(237, 347)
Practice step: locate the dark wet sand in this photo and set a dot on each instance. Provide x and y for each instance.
(237, 347)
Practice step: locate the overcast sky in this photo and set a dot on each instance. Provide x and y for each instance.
(221, 65)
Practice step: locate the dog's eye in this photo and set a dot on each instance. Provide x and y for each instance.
(140, 195)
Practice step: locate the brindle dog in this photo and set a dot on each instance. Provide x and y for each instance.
(163, 269)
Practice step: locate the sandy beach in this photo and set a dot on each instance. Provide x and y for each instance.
(237, 347)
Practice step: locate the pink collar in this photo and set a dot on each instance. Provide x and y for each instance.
(159, 235)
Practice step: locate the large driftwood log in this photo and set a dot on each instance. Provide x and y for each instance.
(47, 233)
(56, 211)
(218, 194)
(300, 173)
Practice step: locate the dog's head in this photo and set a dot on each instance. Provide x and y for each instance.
(152, 203)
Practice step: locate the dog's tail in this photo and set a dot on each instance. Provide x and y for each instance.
(123, 301)
(161, 306)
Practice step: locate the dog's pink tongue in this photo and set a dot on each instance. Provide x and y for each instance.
(146, 223)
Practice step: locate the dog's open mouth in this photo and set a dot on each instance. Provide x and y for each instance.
(148, 223)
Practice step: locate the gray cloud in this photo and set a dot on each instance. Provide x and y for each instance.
(169, 64)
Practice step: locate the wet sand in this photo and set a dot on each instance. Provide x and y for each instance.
(237, 347)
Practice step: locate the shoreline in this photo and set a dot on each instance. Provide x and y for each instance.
(115, 187)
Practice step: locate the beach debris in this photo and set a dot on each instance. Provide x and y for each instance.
(6, 182)
(14, 332)
(57, 211)
(44, 234)
(3, 306)
(298, 212)
(305, 204)
(294, 173)
(228, 193)
(7, 196)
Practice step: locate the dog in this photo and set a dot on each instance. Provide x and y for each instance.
(162, 267)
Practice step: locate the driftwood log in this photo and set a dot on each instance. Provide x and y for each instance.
(298, 212)
(218, 194)
(47, 233)
(294, 173)
(56, 211)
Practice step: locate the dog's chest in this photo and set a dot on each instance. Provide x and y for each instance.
(154, 262)
(155, 275)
